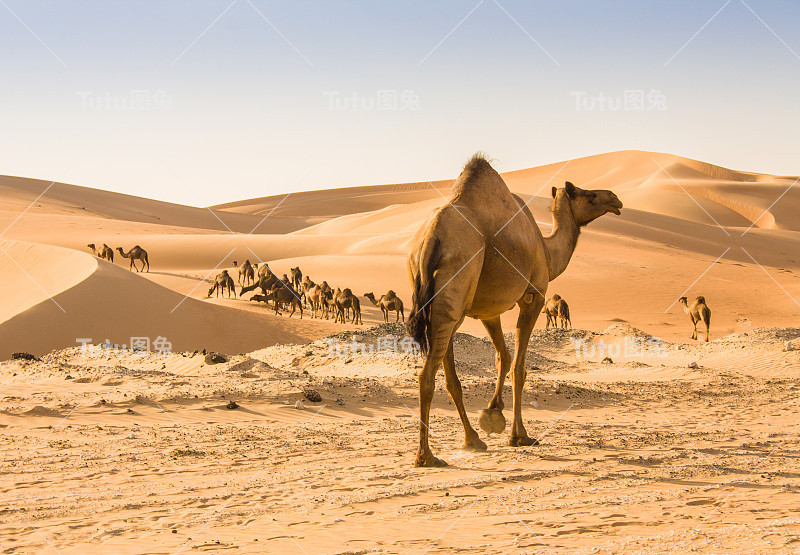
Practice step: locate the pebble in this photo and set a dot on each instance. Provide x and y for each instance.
(300, 405)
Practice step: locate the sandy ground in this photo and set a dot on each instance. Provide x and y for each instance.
(138, 453)
(647, 453)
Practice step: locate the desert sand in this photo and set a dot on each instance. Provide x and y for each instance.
(681, 446)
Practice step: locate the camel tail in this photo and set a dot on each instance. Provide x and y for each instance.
(419, 319)
(706, 316)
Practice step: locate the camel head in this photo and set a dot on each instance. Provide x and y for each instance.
(120, 250)
(235, 264)
(684, 301)
(370, 296)
(210, 291)
(91, 246)
(587, 205)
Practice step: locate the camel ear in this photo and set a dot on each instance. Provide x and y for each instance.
(570, 189)
(554, 192)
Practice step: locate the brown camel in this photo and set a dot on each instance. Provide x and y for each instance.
(246, 273)
(343, 300)
(106, 253)
(477, 256)
(319, 299)
(221, 282)
(297, 278)
(388, 302)
(698, 311)
(557, 308)
(281, 296)
(305, 289)
(265, 282)
(136, 253)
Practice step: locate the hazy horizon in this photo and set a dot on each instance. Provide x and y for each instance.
(210, 102)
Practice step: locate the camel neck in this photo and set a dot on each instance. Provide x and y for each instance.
(560, 244)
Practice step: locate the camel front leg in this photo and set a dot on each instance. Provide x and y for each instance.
(525, 323)
(471, 439)
(694, 333)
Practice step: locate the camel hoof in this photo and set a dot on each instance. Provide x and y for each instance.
(492, 421)
(429, 461)
(475, 444)
(522, 441)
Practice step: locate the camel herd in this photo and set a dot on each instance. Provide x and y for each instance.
(298, 292)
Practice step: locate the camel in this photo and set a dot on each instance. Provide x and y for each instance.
(265, 282)
(563, 314)
(305, 288)
(478, 256)
(320, 300)
(280, 296)
(389, 301)
(106, 253)
(343, 300)
(556, 308)
(297, 278)
(551, 311)
(698, 311)
(221, 282)
(136, 253)
(246, 273)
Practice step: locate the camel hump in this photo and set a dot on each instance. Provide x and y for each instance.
(479, 177)
(701, 299)
(390, 294)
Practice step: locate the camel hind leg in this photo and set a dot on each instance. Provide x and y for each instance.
(471, 439)
(441, 334)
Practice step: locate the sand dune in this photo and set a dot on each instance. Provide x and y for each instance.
(99, 301)
(358, 237)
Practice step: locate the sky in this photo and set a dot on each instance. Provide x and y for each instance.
(208, 101)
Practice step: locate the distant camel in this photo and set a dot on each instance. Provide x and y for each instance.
(344, 300)
(478, 255)
(556, 308)
(551, 311)
(281, 296)
(297, 278)
(221, 282)
(106, 253)
(246, 273)
(305, 288)
(265, 282)
(136, 253)
(698, 311)
(388, 302)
